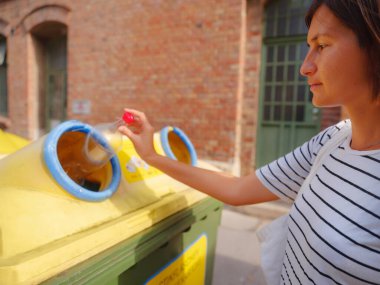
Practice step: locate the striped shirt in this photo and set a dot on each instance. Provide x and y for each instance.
(334, 225)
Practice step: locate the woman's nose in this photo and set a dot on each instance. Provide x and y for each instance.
(308, 67)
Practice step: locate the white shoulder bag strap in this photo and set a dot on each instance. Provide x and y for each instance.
(273, 236)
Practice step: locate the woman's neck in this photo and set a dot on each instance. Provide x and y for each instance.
(365, 122)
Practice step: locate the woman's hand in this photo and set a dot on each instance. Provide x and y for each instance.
(141, 133)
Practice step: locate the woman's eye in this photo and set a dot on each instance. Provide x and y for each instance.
(321, 46)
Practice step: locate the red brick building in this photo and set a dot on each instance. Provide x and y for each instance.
(225, 72)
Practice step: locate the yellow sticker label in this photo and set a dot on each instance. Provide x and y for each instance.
(133, 167)
(189, 268)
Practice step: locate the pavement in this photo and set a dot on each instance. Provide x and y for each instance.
(237, 257)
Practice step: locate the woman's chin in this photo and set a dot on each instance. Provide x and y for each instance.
(318, 102)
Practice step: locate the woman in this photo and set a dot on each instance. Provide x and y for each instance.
(334, 226)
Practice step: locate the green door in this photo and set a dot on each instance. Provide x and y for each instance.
(56, 97)
(287, 117)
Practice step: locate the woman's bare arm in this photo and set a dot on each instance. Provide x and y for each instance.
(226, 188)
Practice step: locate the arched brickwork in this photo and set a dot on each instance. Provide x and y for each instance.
(4, 28)
(48, 13)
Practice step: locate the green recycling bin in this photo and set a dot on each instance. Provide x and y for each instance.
(178, 250)
(123, 223)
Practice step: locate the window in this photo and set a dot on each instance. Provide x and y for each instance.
(285, 92)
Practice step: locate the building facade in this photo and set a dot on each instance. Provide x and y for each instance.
(225, 72)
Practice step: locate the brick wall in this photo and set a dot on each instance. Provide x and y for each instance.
(176, 60)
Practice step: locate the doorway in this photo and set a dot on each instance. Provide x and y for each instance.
(50, 45)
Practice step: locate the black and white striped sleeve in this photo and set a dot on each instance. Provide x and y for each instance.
(285, 175)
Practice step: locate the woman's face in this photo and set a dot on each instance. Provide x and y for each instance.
(335, 65)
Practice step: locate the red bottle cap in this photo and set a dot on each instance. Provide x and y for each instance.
(128, 118)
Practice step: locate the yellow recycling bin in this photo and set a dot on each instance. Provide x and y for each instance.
(52, 224)
(10, 143)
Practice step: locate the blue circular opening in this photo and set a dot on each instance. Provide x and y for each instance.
(53, 164)
(164, 135)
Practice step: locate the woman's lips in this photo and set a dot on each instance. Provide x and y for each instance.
(314, 86)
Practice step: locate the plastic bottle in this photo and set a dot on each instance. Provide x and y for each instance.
(94, 155)
(97, 154)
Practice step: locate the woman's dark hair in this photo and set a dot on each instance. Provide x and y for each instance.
(362, 17)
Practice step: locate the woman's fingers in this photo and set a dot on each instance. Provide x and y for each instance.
(139, 122)
(138, 125)
(138, 116)
(126, 131)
